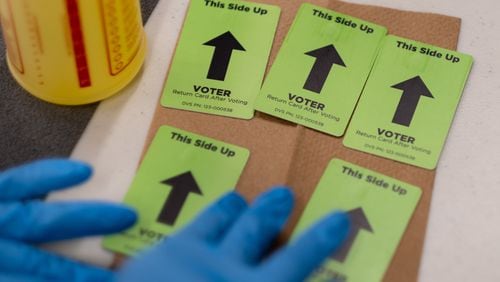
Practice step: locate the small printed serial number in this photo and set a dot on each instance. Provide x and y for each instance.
(218, 108)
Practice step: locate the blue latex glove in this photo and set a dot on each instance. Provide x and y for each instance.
(230, 241)
(25, 222)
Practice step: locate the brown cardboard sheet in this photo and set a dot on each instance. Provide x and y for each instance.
(284, 153)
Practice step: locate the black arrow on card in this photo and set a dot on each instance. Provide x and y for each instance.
(182, 185)
(412, 88)
(224, 45)
(358, 222)
(326, 57)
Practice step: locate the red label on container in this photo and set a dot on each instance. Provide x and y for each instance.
(80, 53)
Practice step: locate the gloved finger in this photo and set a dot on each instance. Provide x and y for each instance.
(39, 178)
(19, 258)
(298, 260)
(14, 277)
(213, 223)
(37, 222)
(258, 226)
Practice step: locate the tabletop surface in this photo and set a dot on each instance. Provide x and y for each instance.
(462, 236)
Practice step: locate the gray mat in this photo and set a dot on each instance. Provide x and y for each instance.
(32, 129)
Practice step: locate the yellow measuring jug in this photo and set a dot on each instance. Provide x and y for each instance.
(73, 52)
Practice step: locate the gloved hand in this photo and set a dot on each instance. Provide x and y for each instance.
(25, 222)
(230, 241)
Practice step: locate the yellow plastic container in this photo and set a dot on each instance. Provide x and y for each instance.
(73, 52)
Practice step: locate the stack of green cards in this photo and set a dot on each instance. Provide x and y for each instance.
(221, 57)
(180, 175)
(380, 208)
(409, 102)
(321, 69)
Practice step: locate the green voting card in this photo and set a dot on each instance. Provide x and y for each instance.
(409, 102)
(380, 208)
(321, 69)
(221, 57)
(180, 175)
